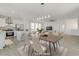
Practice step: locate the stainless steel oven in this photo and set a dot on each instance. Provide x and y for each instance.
(9, 33)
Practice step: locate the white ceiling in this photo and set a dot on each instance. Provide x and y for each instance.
(30, 10)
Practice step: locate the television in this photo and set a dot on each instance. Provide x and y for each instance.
(49, 28)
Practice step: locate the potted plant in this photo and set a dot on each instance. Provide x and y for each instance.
(39, 30)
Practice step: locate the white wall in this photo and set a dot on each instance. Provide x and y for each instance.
(2, 22)
(56, 25)
(71, 25)
(68, 26)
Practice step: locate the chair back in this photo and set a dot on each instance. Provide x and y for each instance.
(36, 45)
(25, 37)
(23, 49)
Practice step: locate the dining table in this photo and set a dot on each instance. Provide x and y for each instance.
(52, 39)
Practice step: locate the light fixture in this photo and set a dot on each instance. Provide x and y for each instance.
(49, 16)
(45, 17)
(42, 3)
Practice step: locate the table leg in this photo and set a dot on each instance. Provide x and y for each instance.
(58, 43)
(54, 47)
(28, 50)
(50, 48)
(46, 46)
(32, 52)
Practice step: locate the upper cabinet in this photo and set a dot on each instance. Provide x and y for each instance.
(9, 20)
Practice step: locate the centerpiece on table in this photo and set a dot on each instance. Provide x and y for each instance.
(39, 30)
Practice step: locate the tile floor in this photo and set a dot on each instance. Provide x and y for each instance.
(69, 47)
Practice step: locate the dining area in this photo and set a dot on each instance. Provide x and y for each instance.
(41, 44)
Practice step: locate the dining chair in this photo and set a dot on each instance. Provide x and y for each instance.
(59, 36)
(37, 47)
(25, 47)
(42, 38)
(52, 39)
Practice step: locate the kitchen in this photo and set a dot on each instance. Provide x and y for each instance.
(9, 30)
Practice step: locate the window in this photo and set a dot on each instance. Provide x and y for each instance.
(71, 24)
(34, 26)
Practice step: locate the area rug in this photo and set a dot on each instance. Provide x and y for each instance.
(8, 42)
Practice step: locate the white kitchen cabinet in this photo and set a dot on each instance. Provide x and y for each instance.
(15, 33)
(19, 35)
(2, 22)
(2, 39)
